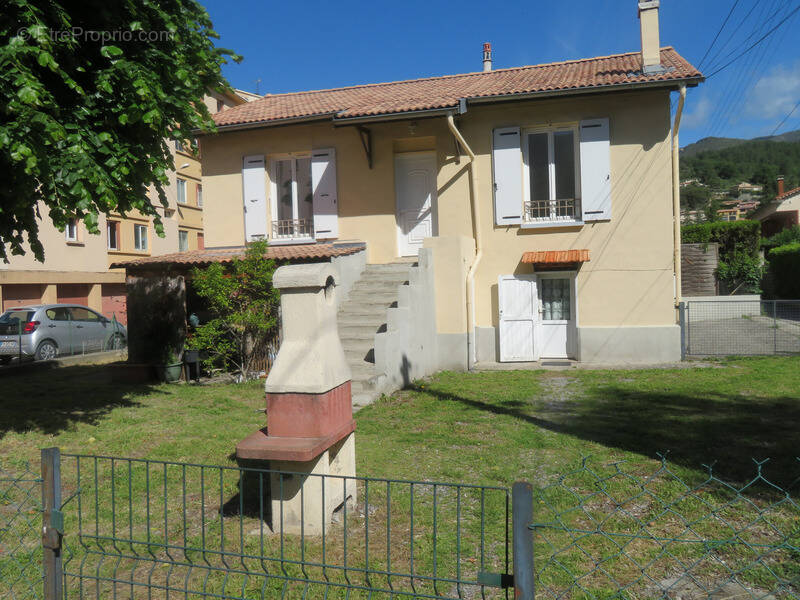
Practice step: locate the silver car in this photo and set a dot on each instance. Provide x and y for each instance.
(47, 331)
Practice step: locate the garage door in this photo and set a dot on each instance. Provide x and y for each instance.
(21, 295)
(115, 302)
(73, 293)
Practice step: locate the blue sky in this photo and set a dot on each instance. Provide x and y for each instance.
(294, 46)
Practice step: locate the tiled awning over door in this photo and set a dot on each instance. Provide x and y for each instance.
(549, 259)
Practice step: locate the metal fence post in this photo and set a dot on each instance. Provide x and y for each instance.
(521, 519)
(52, 523)
(775, 326)
(682, 323)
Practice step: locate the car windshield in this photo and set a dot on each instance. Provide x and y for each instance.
(10, 320)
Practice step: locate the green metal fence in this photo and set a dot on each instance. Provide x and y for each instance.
(610, 531)
(141, 528)
(20, 532)
(135, 528)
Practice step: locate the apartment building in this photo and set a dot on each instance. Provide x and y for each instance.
(77, 264)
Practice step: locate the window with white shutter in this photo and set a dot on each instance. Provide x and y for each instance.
(507, 170)
(326, 205)
(254, 189)
(595, 169)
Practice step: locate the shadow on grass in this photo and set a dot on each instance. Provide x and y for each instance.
(729, 432)
(52, 400)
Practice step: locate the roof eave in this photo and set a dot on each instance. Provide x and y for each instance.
(441, 111)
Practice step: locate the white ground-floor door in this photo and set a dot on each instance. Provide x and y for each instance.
(415, 190)
(537, 316)
(557, 314)
(519, 318)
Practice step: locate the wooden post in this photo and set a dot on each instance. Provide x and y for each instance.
(52, 523)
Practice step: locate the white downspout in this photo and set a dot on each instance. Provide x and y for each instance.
(470, 283)
(676, 197)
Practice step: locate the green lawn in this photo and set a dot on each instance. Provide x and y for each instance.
(587, 440)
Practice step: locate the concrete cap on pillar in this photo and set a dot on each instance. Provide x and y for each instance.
(311, 359)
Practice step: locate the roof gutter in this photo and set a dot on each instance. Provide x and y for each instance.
(476, 229)
(426, 112)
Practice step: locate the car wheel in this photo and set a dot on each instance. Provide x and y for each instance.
(116, 342)
(47, 350)
(4, 360)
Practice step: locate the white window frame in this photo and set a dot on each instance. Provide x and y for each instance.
(273, 194)
(199, 194)
(183, 234)
(140, 237)
(115, 226)
(180, 190)
(71, 231)
(526, 183)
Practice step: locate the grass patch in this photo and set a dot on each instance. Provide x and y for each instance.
(489, 428)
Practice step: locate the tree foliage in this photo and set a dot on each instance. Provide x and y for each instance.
(91, 92)
(245, 309)
(756, 161)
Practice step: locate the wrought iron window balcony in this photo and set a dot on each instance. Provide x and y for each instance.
(567, 209)
(288, 229)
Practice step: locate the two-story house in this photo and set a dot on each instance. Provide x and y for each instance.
(77, 264)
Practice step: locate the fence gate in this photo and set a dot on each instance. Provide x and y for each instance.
(740, 327)
(113, 527)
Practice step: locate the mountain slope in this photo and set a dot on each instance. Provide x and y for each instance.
(720, 143)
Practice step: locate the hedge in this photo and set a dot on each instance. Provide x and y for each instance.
(784, 265)
(739, 267)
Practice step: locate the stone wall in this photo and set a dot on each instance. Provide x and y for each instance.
(698, 266)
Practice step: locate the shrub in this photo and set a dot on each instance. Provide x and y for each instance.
(784, 265)
(245, 309)
(787, 236)
(740, 266)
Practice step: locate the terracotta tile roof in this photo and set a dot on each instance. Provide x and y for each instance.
(198, 258)
(446, 91)
(788, 194)
(555, 257)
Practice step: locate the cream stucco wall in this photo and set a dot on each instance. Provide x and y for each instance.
(629, 280)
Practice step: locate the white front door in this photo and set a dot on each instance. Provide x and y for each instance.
(557, 312)
(415, 189)
(519, 316)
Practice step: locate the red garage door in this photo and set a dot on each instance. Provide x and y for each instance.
(21, 295)
(73, 293)
(115, 301)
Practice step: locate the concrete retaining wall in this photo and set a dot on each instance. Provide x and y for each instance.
(712, 308)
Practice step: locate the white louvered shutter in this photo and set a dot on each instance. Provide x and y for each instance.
(595, 170)
(326, 205)
(254, 189)
(507, 170)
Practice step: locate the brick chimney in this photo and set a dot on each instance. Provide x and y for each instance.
(648, 24)
(780, 185)
(487, 57)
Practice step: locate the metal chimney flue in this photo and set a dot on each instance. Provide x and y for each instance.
(487, 57)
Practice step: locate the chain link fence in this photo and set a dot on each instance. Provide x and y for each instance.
(608, 531)
(20, 532)
(740, 327)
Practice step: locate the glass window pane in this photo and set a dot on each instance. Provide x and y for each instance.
(181, 191)
(538, 166)
(305, 196)
(564, 158)
(283, 183)
(79, 314)
(183, 241)
(555, 299)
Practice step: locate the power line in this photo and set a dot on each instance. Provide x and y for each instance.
(732, 36)
(714, 41)
(754, 44)
(786, 118)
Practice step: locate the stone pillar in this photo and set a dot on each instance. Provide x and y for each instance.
(310, 431)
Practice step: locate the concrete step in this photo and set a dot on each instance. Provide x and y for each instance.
(368, 300)
(374, 320)
(356, 345)
(360, 354)
(359, 331)
(364, 399)
(376, 285)
(361, 370)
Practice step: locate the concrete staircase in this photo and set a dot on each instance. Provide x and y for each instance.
(363, 315)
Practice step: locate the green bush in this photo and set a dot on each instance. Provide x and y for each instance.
(740, 266)
(784, 265)
(787, 236)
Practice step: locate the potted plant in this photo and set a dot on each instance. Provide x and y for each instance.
(169, 370)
